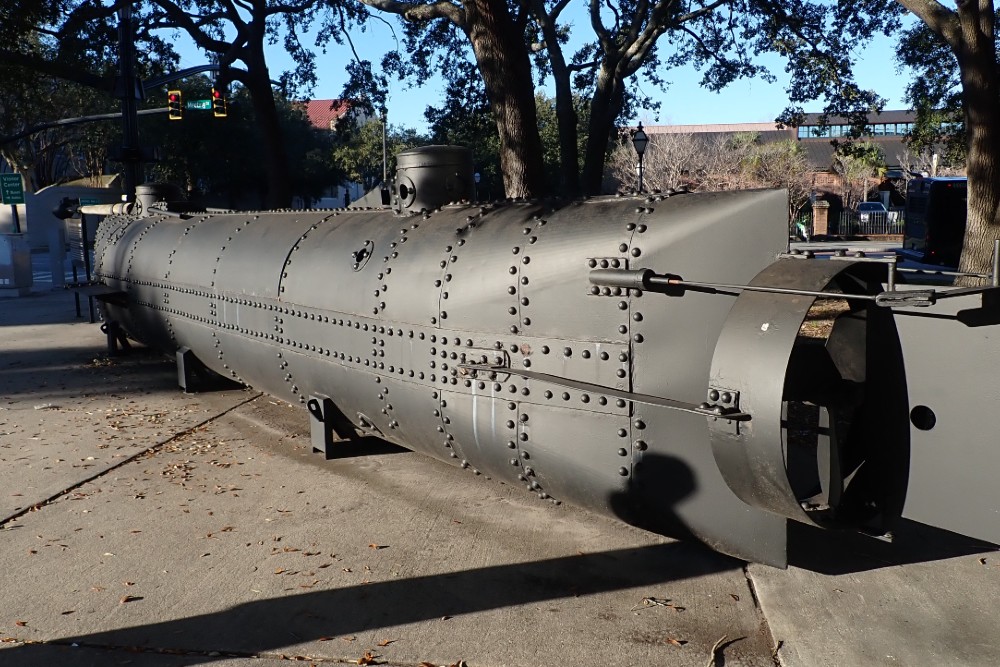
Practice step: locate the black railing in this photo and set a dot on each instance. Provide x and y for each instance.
(853, 223)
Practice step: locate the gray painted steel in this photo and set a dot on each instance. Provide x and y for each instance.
(485, 337)
(431, 176)
(953, 385)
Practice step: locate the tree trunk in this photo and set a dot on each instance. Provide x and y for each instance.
(605, 105)
(569, 148)
(275, 157)
(506, 71)
(980, 74)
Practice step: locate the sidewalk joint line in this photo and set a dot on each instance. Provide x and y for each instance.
(149, 450)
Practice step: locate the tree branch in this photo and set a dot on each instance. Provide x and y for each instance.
(579, 67)
(442, 9)
(186, 22)
(595, 22)
(938, 18)
(290, 9)
(56, 69)
(707, 9)
(557, 10)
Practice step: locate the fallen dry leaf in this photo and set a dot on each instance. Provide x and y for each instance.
(280, 570)
(734, 596)
(675, 642)
(982, 561)
(129, 598)
(368, 658)
(715, 649)
(386, 642)
(20, 624)
(348, 639)
(658, 602)
(378, 546)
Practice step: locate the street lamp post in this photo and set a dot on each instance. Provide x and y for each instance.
(385, 161)
(639, 140)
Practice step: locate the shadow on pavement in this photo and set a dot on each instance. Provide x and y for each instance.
(266, 626)
(40, 308)
(84, 370)
(843, 552)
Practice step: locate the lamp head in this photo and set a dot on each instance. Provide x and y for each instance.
(639, 140)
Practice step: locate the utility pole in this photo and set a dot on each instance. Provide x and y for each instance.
(129, 89)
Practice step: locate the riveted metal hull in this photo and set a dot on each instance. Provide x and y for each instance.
(477, 336)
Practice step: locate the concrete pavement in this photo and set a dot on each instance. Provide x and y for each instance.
(143, 526)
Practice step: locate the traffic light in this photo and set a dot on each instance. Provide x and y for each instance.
(218, 103)
(174, 109)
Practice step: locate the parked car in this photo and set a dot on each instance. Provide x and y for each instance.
(871, 210)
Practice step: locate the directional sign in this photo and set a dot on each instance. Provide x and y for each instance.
(89, 201)
(204, 105)
(11, 189)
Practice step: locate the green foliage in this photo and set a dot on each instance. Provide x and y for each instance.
(57, 61)
(357, 150)
(18, 20)
(548, 128)
(935, 92)
(48, 156)
(464, 119)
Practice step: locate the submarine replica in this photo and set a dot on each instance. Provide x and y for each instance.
(663, 359)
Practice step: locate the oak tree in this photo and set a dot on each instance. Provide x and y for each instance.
(956, 54)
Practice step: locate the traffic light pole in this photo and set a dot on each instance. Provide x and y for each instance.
(129, 89)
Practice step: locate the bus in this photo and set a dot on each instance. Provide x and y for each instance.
(935, 219)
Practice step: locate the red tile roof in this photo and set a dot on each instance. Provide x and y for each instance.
(322, 113)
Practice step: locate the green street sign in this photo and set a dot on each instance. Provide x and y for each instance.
(89, 201)
(11, 189)
(204, 105)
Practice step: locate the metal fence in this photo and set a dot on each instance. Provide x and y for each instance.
(850, 223)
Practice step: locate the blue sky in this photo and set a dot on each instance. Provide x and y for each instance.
(684, 101)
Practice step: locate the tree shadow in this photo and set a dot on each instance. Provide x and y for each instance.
(264, 626)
